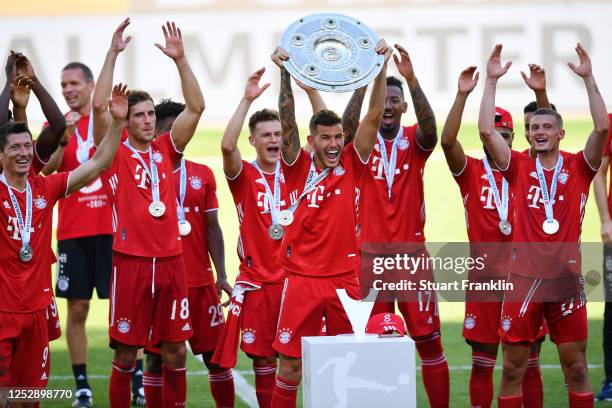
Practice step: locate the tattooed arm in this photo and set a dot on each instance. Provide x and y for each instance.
(290, 146)
(426, 134)
(593, 151)
(352, 113)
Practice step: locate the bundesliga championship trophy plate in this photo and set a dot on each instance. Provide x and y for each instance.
(331, 52)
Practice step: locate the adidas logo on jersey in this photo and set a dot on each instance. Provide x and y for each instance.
(43, 377)
(186, 327)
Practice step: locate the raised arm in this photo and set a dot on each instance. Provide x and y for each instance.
(600, 185)
(593, 150)
(453, 151)
(186, 122)
(314, 97)
(426, 134)
(537, 83)
(105, 152)
(290, 146)
(365, 137)
(232, 161)
(5, 96)
(101, 116)
(352, 114)
(20, 96)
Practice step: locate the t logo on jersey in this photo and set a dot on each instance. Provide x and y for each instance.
(315, 196)
(378, 168)
(534, 196)
(13, 227)
(263, 202)
(487, 198)
(140, 175)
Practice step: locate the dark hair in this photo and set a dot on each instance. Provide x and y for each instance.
(394, 81)
(135, 97)
(551, 112)
(167, 108)
(323, 117)
(533, 106)
(84, 69)
(264, 115)
(11, 128)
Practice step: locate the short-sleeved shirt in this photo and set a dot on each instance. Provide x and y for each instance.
(481, 216)
(257, 251)
(569, 205)
(26, 286)
(608, 152)
(400, 218)
(200, 197)
(86, 212)
(137, 232)
(322, 240)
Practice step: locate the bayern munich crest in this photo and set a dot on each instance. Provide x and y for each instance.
(195, 182)
(123, 326)
(40, 203)
(284, 336)
(506, 323)
(563, 176)
(339, 170)
(157, 157)
(469, 322)
(248, 336)
(403, 144)
(62, 283)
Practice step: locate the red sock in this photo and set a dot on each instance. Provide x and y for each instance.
(120, 386)
(152, 383)
(285, 393)
(222, 388)
(174, 387)
(435, 370)
(533, 392)
(265, 377)
(481, 380)
(512, 401)
(581, 399)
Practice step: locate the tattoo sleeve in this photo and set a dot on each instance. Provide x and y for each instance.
(352, 113)
(424, 114)
(286, 107)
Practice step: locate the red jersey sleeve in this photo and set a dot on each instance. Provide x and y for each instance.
(463, 177)
(165, 142)
(210, 199)
(296, 172)
(586, 171)
(420, 151)
(236, 183)
(56, 186)
(513, 166)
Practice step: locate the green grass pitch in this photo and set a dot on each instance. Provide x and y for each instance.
(445, 222)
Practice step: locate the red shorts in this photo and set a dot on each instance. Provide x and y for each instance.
(521, 321)
(148, 302)
(305, 301)
(53, 321)
(24, 349)
(259, 319)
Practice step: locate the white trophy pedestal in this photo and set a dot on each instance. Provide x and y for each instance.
(344, 371)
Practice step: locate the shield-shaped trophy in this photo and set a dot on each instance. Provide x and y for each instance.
(331, 52)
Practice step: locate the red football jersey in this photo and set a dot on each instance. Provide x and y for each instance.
(26, 286)
(481, 215)
(200, 197)
(569, 205)
(256, 250)
(608, 153)
(322, 240)
(402, 217)
(86, 212)
(137, 232)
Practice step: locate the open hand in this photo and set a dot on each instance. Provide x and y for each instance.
(118, 103)
(252, 90)
(174, 41)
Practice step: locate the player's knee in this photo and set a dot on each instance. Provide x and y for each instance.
(154, 363)
(260, 361)
(78, 311)
(213, 368)
(125, 355)
(576, 371)
(513, 371)
(290, 369)
(174, 355)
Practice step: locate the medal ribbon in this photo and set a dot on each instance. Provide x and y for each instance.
(182, 189)
(311, 182)
(24, 228)
(84, 145)
(275, 198)
(151, 172)
(500, 203)
(389, 163)
(546, 198)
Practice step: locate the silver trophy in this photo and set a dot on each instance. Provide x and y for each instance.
(331, 52)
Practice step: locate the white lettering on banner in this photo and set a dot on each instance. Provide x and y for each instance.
(437, 44)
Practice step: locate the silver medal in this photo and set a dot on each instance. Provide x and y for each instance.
(276, 231)
(550, 226)
(157, 209)
(505, 227)
(285, 218)
(184, 228)
(26, 253)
